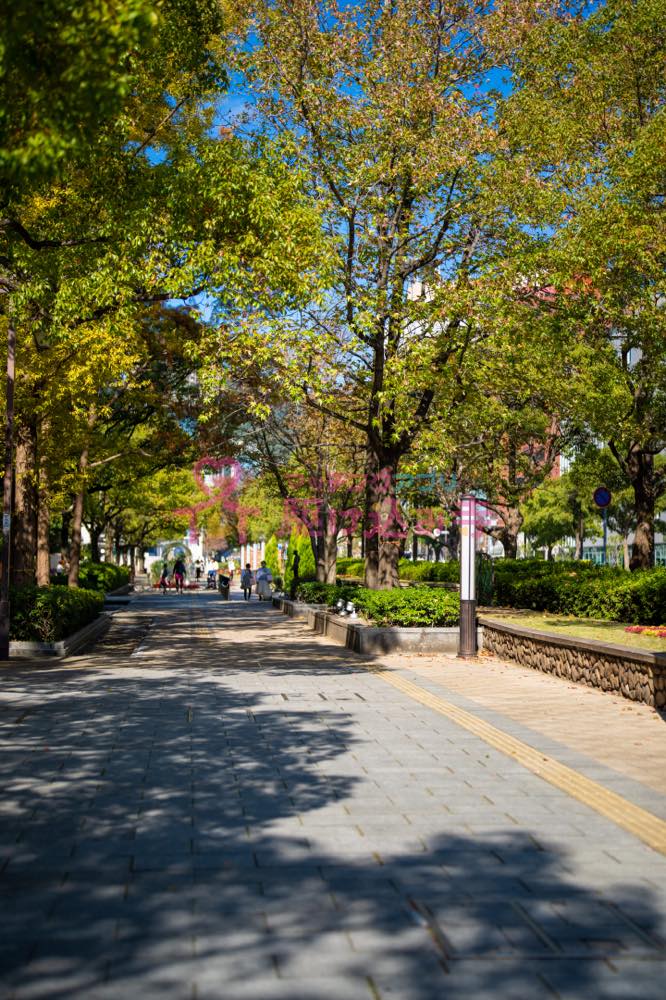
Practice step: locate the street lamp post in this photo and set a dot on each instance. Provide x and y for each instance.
(467, 638)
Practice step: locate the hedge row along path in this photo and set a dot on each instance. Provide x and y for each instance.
(224, 805)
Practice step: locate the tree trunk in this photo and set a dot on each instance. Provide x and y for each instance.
(118, 548)
(24, 548)
(415, 547)
(326, 557)
(642, 550)
(108, 545)
(625, 552)
(383, 527)
(324, 543)
(43, 574)
(509, 540)
(454, 541)
(579, 535)
(43, 566)
(506, 532)
(641, 470)
(77, 520)
(95, 535)
(350, 546)
(549, 553)
(64, 535)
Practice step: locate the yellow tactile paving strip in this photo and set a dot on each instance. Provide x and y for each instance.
(641, 823)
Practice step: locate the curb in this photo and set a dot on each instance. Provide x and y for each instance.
(22, 649)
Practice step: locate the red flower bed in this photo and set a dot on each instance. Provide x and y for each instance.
(657, 630)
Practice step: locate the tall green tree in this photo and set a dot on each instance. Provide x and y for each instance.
(585, 161)
(147, 207)
(63, 72)
(384, 107)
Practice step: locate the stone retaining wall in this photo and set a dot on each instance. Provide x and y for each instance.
(639, 675)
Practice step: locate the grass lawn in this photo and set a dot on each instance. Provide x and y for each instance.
(583, 628)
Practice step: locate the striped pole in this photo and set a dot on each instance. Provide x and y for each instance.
(467, 638)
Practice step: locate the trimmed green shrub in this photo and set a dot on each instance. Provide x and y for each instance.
(272, 556)
(299, 541)
(327, 593)
(351, 567)
(569, 587)
(416, 606)
(307, 568)
(156, 570)
(582, 589)
(48, 614)
(102, 577)
(442, 572)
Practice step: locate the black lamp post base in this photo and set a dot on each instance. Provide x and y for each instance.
(467, 647)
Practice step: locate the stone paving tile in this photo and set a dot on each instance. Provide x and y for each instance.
(623, 736)
(268, 820)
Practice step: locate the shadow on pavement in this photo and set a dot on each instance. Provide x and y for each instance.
(158, 839)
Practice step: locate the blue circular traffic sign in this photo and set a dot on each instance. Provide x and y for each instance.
(602, 496)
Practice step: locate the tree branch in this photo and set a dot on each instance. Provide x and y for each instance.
(36, 244)
(165, 121)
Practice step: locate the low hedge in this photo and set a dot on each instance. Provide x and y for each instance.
(49, 614)
(582, 589)
(568, 587)
(406, 608)
(326, 593)
(431, 572)
(442, 572)
(102, 577)
(351, 567)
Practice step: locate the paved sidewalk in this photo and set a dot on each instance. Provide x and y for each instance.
(225, 806)
(576, 722)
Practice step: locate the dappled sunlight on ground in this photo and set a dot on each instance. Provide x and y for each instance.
(237, 809)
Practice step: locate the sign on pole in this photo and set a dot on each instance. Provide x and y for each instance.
(467, 639)
(602, 496)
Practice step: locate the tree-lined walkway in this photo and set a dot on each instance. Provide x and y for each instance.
(228, 807)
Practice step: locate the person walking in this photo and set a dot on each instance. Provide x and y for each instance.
(164, 578)
(264, 580)
(179, 575)
(246, 582)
